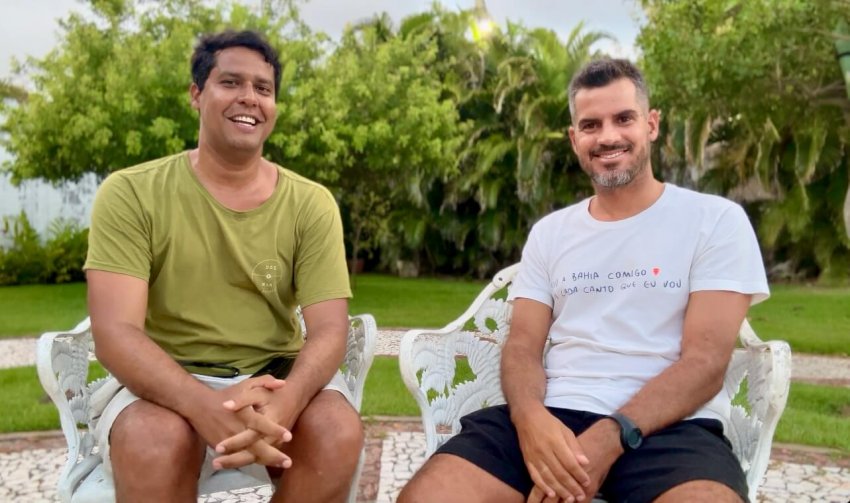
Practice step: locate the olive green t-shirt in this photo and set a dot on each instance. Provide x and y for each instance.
(223, 284)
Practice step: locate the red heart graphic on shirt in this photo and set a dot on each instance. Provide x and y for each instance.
(656, 271)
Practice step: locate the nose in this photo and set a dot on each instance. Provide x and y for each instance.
(248, 95)
(608, 134)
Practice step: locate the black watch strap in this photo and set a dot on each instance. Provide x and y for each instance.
(630, 435)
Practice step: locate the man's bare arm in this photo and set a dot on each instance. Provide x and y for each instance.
(117, 304)
(712, 321)
(319, 358)
(552, 455)
(523, 378)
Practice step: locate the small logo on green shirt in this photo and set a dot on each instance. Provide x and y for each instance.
(267, 274)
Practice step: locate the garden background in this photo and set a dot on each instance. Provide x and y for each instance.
(443, 143)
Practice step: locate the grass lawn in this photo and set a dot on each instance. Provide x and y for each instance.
(394, 302)
(33, 309)
(24, 403)
(815, 415)
(385, 393)
(811, 319)
(412, 302)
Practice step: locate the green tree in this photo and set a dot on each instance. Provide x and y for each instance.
(521, 149)
(10, 91)
(516, 163)
(756, 109)
(373, 126)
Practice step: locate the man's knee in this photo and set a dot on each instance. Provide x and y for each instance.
(435, 473)
(147, 431)
(331, 426)
(449, 478)
(699, 491)
(327, 440)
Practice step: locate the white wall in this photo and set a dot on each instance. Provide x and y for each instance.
(43, 202)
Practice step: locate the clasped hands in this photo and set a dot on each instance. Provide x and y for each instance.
(563, 467)
(245, 425)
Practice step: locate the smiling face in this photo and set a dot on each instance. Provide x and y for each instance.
(611, 133)
(237, 104)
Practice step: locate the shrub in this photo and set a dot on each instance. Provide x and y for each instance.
(65, 251)
(58, 259)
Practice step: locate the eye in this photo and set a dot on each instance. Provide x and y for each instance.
(228, 82)
(625, 119)
(264, 90)
(587, 126)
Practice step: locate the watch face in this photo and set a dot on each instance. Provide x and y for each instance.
(630, 435)
(633, 438)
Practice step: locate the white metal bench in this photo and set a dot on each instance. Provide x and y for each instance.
(63, 363)
(429, 358)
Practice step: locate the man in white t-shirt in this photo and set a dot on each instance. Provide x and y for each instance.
(640, 290)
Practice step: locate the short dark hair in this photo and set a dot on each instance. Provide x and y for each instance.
(204, 57)
(601, 72)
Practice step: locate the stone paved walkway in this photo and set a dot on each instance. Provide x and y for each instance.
(30, 463)
(397, 451)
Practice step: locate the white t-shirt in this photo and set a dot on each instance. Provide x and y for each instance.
(619, 290)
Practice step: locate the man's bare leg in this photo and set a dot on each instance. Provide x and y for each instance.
(156, 455)
(326, 443)
(447, 478)
(700, 491)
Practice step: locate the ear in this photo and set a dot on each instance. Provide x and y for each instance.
(195, 96)
(572, 132)
(653, 119)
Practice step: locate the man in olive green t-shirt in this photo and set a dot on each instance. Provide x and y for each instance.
(196, 264)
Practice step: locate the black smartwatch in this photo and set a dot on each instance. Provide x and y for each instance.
(630, 435)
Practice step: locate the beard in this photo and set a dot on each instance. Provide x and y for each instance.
(619, 177)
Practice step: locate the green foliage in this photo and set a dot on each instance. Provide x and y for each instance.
(441, 151)
(9, 91)
(371, 124)
(757, 110)
(517, 164)
(514, 164)
(65, 251)
(59, 259)
(24, 260)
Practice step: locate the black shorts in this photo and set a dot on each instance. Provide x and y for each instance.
(688, 450)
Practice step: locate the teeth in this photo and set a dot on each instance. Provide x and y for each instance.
(611, 155)
(247, 119)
